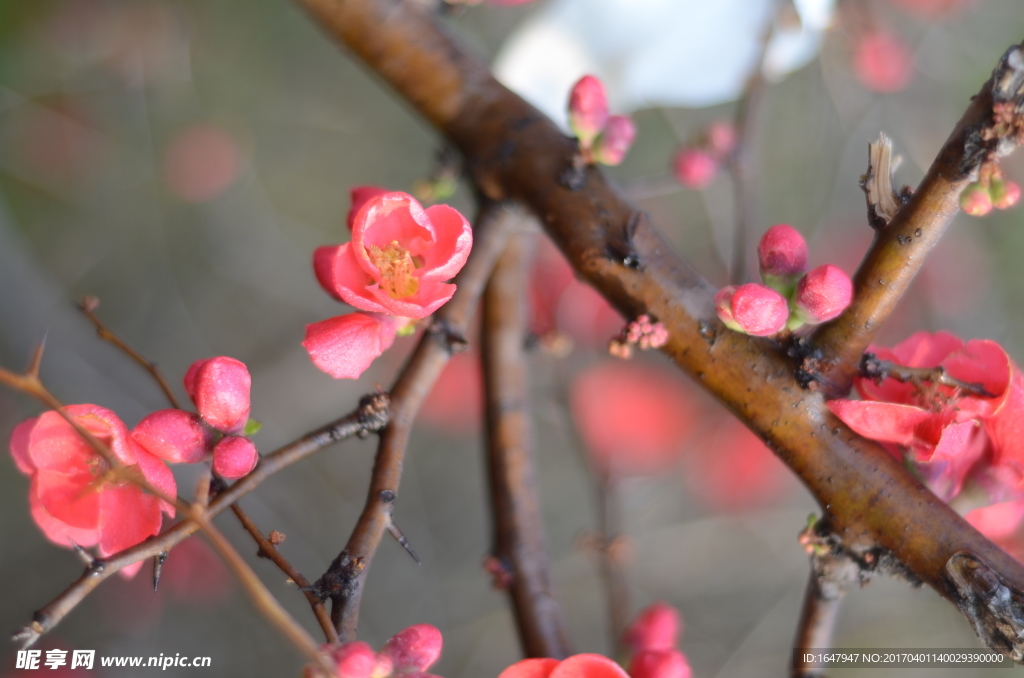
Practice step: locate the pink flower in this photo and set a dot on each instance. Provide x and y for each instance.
(882, 62)
(669, 663)
(68, 497)
(633, 419)
(822, 295)
(752, 309)
(219, 387)
(414, 649)
(615, 140)
(576, 666)
(344, 346)
(588, 109)
(695, 168)
(949, 434)
(655, 628)
(234, 457)
(176, 436)
(399, 257)
(782, 253)
(359, 196)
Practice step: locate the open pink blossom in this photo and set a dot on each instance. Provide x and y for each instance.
(576, 666)
(69, 497)
(220, 387)
(344, 346)
(399, 258)
(949, 434)
(632, 418)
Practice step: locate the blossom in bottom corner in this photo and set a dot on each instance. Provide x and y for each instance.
(70, 497)
(576, 666)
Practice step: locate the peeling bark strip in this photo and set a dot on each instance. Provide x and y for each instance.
(994, 607)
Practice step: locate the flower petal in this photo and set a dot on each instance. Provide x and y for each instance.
(885, 422)
(19, 446)
(997, 521)
(347, 280)
(344, 346)
(430, 297)
(69, 497)
(174, 435)
(127, 516)
(530, 668)
(925, 349)
(588, 666)
(55, 530)
(156, 473)
(454, 241)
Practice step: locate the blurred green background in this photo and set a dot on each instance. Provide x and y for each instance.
(180, 159)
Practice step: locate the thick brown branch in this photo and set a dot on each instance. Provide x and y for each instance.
(900, 248)
(515, 152)
(519, 543)
(371, 416)
(343, 581)
(269, 550)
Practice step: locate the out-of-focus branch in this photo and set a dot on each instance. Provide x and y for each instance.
(513, 152)
(371, 416)
(344, 580)
(611, 555)
(900, 247)
(88, 306)
(270, 551)
(519, 544)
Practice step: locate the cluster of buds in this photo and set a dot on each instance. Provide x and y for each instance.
(650, 641)
(642, 333)
(790, 297)
(393, 271)
(603, 139)
(77, 498)
(409, 653)
(696, 165)
(991, 189)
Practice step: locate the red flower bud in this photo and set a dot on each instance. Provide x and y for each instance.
(220, 389)
(414, 649)
(615, 141)
(1005, 193)
(752, 309)
(660, 664)
(235, 456)
(822, 294)
(655, 628)
(174, 435)
(360, 196)
(782, 254)
(588, 109)
(695, 168)
(354, 660)
(976, 200)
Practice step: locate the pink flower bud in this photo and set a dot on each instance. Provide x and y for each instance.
(660, 664)
(752, 309)
(174, 435)
(220, 389)
(234, 456)
(360, 196)
(721, 135)
(976, 200)
(822, 294)
(588, 109)
(782, 253)
(354, 660)
(615, 141)
(882, 62)
(1005, 193)
(655, 628)
(695, 168)
(344, 346)
(414, 649)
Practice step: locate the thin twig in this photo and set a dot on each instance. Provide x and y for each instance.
(877, 370)
(519, 542)
(88, 306)
(513, 152)
(611, 557)
(742, 161)
(371, 416)
(268, 550)
(344, 579)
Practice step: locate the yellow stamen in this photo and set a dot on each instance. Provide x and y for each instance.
(396, 267)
